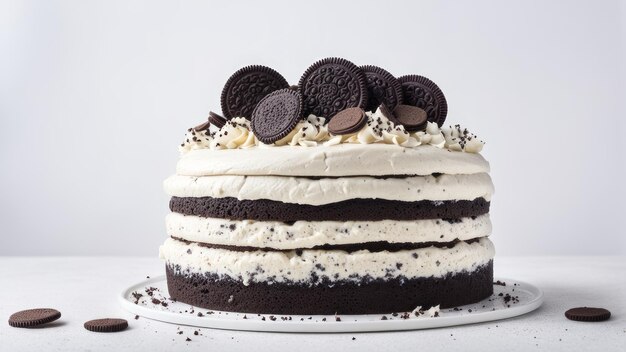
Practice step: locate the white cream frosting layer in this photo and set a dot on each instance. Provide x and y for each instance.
(336, 160)
(312, 131)
(308, 234)
(274, 266)
(298, 190)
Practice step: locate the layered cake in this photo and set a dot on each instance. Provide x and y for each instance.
(341, 195)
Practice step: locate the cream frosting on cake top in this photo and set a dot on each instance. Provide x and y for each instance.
(312, 132)
(379, 148)
(336, 160)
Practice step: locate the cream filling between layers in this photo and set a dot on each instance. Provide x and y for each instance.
(308, 234)
(336, 265)
(337, 160)
(300, 190)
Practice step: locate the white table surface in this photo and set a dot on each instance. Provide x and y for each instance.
(87, 288)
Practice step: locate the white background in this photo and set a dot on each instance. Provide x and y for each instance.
(95, 97)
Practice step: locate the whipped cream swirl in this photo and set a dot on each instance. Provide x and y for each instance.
(307, 133)
(234, 134)
(460, 139)
(195, 140)
(431, 136)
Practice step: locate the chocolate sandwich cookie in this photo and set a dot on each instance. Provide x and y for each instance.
(33, 317)
(347, 121)
(331, 85)
(246, 87)
(382, 87)
(411, 117)
(106, 325)
(388, 113)
(588, 314)
(276, 115)
(216, 120)
(425, 94)
(203, 126)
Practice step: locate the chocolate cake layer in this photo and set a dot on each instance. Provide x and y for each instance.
(353, 209)
(341, 297)
(377, 246)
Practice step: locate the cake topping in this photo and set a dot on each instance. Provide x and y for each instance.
(588, 314)
(216, 120)
(460, 139)
(331, 85)
(235, 134)
(257, 98)
(382, 88)
(377, 129)
(307, 133)
(195, 140)
(431, 136)
(312, 131)
(106, 325)
(388, 114)
(411, 117)
(33, 317)
(276, 115)
(246, 87)
(347, 121)
(202, 127)
(421, 92)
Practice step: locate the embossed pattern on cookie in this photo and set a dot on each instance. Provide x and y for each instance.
(425, 94)
(246, 87)
(276, 115)
(331, 85)
(382, 87)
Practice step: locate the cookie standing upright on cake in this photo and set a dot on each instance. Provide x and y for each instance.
(331, 85)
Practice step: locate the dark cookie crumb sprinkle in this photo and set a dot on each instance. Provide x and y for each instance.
(150, 290)
(137, 296)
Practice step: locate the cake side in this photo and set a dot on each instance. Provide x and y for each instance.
(267, 243)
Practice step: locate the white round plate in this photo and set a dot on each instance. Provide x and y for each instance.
(522, 298)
